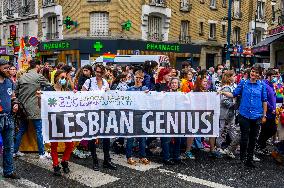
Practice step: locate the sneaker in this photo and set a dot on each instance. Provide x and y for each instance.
(256, 159)
(229, 154)
(144, 161)
(221, 151)
(12, 176)
(46, 155)
(131, 161)
(18, 154)
(264, 151)
(205, 144)
(189, 155)
(215, 154)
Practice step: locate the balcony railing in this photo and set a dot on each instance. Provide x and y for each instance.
(48, 2)
(51, 36)
(99, 33)
(156, 37)
(185, 39)
(10, 13)
(158, 3)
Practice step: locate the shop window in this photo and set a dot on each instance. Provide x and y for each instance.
(184, 32)
(212, 34)
(155, 28)
(99, 23)
(68, 59)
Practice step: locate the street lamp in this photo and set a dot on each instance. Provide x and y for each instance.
(228, 54)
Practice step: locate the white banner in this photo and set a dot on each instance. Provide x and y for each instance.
(97, 114)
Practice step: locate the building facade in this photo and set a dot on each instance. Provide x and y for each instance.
(18, 18)
(193, 24)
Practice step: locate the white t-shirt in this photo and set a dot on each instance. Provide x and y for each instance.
(94, 85)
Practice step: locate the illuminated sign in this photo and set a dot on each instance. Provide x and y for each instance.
(163, 47)
(56, 45)
(13, 32)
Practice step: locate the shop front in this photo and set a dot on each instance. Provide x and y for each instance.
(7, 53)
(82, 51)
(271, 50)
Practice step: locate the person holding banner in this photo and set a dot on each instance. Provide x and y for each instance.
(139, 76)
(60, 80)
(201, 85)
(8, 104)
(92, 84)
(253, 110)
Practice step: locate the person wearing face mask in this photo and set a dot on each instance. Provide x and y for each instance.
(269, 128)
(26, 88)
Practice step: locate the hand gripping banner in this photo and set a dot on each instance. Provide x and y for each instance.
(86, 115)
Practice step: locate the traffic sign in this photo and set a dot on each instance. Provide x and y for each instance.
(240, 49)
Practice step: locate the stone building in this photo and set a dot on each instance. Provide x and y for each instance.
(18, 18)
(199, 27)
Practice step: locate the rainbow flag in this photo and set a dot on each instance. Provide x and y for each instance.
(108, 58)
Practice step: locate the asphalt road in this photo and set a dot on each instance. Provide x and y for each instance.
(202, 172)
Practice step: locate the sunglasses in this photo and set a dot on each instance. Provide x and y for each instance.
(140, 78)
(63, 77)
(99, 72)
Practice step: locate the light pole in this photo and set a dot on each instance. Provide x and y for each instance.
(228, 54)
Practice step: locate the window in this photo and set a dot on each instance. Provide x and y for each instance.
(24, 3)
(224, 3)
(48, 2)
(10, 4)
(184, 30)
(212, 34)
(99, 23)
(223, 34)
(155, 28)
(236, 35)
(52, 28)
(213, 3)
(158, 2)
(260, 10)
(237, 9)
(201, 28)
(184, 5)
(273, 13)
(26, 29)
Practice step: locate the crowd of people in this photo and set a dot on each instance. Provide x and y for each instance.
(249, 116)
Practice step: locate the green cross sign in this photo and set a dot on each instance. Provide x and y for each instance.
(98, 46)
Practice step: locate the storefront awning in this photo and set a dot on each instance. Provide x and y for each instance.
(263, 45)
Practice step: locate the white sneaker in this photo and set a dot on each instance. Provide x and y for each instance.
(229, 154)
(18, 154)
(46, 155)
(221, 151)
(256, 159)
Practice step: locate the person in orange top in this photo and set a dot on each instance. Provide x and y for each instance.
(186, 81)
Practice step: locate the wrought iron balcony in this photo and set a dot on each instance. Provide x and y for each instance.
(10, 13)
(185, 39)
(155, 37)
(99, 33)
(51, 36)
(158, 3)
(48, 2)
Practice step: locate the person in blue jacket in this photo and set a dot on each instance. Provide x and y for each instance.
(253, 112)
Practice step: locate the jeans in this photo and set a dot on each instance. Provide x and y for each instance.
(106, 148)
(66, 155)
(166, 142)
(268, 130)
(142, 146)
(249, 133)
(7, 132)
(23, 128)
